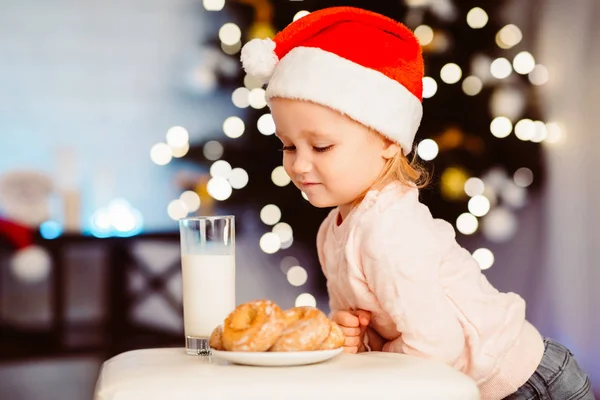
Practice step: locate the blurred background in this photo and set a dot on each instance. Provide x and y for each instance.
(119, 117)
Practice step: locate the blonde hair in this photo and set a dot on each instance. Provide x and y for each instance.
(407, 172)
(400, 169)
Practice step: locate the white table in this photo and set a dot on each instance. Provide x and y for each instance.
(171, 374)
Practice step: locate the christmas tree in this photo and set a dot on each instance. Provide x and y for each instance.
(480, 135)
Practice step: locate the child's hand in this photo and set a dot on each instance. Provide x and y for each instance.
(354, 325)
(376, 341)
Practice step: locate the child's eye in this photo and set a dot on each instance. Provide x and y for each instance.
(322, 149)
(288, 148)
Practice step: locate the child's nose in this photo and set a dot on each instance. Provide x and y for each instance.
(301, 165)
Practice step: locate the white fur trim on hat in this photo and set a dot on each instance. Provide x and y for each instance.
(31, 264)
(259, 58)
(363, 94)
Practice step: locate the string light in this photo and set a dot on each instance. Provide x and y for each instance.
(513, 195)
(424, 34)
(301, 14)
(179, 152)
(427, 149)
(525, 129)
(539, 75)
(484, 257)
(270, 214)
(451, 73)
(50, 230)
(288, 244)
(477, 18)
(297, 276)
(231, 49)
(491, 193)
(177, 210)
(220, 168)
(212, 150)
(161, 154)
(429, 87)
(258, 98)
(524, 63)
(523, 177)
(306, 300)
(481, 66)
(230, 34)
(252, 82)
(509, 36)
(500, 225)
(479, 205)
(507, 101)
(453, 182)
(241, 97)
(280, 177)
(501, 68)
(417, 3)
(287, 263)
(284, 231)
(178, 141)
(213, 5)
(219, 188)
(266, 125)
(233, 127)
(191, 200)
(467, 224)
(120, 219)
(495, 178)
(474, 187)
(238, 178)
(177, 136)
(472, 85)
(501, 127)
(270, 243)
(540, 132)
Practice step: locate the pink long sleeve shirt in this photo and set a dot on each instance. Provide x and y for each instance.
(427, 295)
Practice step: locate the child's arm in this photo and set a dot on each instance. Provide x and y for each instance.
(402, 252)
(334, 303)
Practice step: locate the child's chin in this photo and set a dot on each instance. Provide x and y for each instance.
(321, 203)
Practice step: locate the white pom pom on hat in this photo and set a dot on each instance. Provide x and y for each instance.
(259, 58)
(30, 263)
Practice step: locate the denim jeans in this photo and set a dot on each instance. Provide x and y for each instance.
(558, 377)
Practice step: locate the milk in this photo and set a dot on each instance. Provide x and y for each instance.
(208, 292)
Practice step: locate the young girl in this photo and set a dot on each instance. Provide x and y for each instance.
(345, 90)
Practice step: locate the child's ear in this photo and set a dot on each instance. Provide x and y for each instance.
(391, 149)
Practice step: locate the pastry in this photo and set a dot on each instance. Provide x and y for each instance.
(253, 326)
(335, 339)
(306, 328)
(216, 339)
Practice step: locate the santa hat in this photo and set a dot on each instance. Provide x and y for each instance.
(358, 62)
(30, 262)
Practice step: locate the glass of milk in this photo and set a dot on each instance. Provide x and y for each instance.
(208, 276)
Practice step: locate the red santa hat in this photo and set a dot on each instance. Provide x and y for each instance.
(360, 63)
(29, 262)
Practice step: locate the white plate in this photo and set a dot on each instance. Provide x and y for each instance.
(276, 359)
